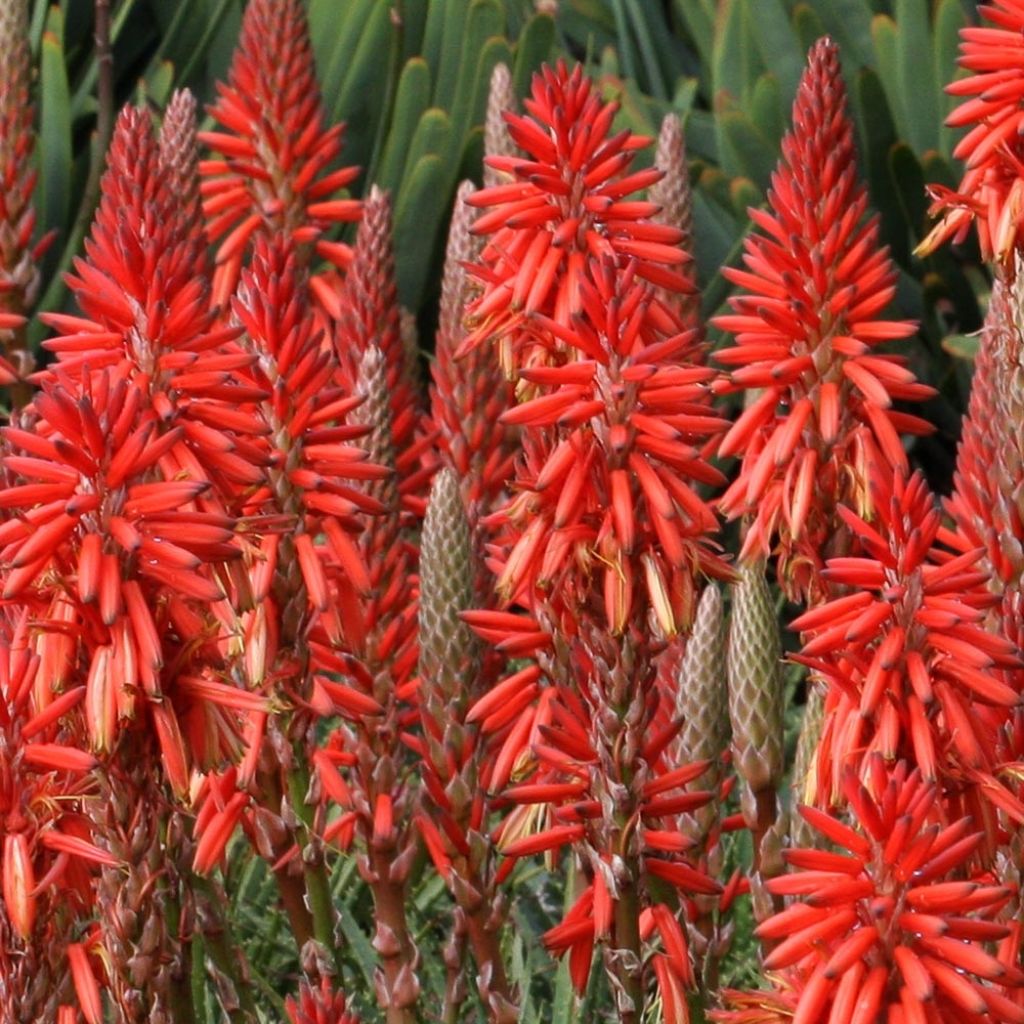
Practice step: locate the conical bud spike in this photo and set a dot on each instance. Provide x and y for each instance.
(755, 681)
(497, 141)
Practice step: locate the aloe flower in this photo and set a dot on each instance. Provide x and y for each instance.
(807, 326)
(111, 473)
(890, 924)
(991, 192)
(604, 538)
(274, 176)
(19, 253)
(48, 858)
(320, 1005)
(911, 670)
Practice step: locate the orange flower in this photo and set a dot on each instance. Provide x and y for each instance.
(273, 178)
(817, 283)
(894, 926)
(991, 192)
(912, 672)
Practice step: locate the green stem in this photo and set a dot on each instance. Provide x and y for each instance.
(314, 869)
(220, 945)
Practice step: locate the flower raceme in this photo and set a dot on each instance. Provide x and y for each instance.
(910, 668)
(615, 414)
(816, 283)
(991, 192)
(19, 254)
(274, 176)
(892, 926)
(566, 211)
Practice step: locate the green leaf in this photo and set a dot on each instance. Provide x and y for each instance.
(877, 136)
(766, 111)
(714, 233)
(907, 182)
(886, 36)
(54, 152)
(949, 19)
(433, 137)
(420, 210)
(698, 16)
(735, 62)
(157, 85)
(778, 45)
(486, 22)
(849, 23)
(701, 135)
(335, 30)
(533, 48)
(446, 70)
(807, 26)
(917, 74)
(411, 102)
(744, 150)
(358, 101)
(962, 346)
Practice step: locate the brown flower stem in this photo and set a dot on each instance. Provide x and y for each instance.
(627, 952)
(20, 391)
(486, 948)
(393, 943)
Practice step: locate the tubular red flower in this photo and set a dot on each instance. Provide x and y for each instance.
(320, 1005)
(274, 176)
(991, 192)
(816, 285)
(19, 254)
(892, 922)
(912, 672)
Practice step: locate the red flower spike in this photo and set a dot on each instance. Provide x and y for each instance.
(320, 1005)
(565, 213)
(274, 175)
(606, 534)
(912, 672)
(991, 192)
(816, 282)
(19, 256)
(861, 944)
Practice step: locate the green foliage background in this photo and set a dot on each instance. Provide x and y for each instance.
(410, 79)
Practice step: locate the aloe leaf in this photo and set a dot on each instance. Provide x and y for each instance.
(907, 183)
(877, 136)
(778, 44)
(486, 21)
(419, 212)
(744, 150)
(54, 149)
(335, 29)
(453, 53)
(535, 46)
(411, 102)
(886, 35)
(735, 61)
(915, 60)
(808, 27)
(949, 19)
(849, 23)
